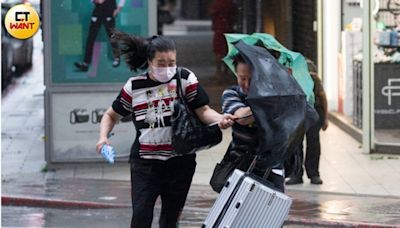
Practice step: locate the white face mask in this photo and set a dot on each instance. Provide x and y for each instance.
(163, 74)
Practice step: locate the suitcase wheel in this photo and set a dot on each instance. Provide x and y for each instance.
(226, 184)
(237, 205)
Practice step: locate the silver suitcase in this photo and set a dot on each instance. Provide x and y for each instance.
(247, 202)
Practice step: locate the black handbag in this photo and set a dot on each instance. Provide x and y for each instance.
(189, 134)
(225, 168)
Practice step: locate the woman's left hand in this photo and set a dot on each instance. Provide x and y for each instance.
(227, 121)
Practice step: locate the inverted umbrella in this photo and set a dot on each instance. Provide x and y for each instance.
(278, 104)
(290, 59)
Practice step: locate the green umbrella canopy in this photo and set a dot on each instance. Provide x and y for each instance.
(293, 60)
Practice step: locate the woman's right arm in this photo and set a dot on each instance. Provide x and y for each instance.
(107, 123)
(242, 112)
(232, 102)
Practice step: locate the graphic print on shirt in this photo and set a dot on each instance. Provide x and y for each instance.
(151, 115)
(155, 140)
(151, 104)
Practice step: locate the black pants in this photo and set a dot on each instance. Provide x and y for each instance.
(170, 180)
(313, 152)
(234, 152)
(95, 23)
(277, 181)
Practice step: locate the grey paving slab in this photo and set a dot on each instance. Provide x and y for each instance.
(35, 166)
(62, 173)
(15, 121)
(17, 155)
(91, 172)
(19, 145)
(35, 156)
(394, 164)
(392, 188)
(120, 173)
(11, 167)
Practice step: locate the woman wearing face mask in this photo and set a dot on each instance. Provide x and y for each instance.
(156, 170)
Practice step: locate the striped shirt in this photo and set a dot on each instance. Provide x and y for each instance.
(151, 105)
(244, 137)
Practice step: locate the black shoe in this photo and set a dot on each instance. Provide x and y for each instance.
(81, 66)
(316, 180)
(294, 180)
(116, 62)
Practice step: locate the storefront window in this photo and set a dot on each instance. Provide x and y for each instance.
(387, 75)
(385, 83)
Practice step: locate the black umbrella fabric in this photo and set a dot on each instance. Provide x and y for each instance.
(278, 104)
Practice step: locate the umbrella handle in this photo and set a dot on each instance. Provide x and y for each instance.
(244, 117)
(253, 164)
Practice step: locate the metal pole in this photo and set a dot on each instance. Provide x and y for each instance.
(373, 10)
(245, 8)
(152, 23)
(320, 39)
(47, 44)
(178, 9)
(258, 16)
(367, 76)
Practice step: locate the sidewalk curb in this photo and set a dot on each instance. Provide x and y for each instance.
(73, 204)
(57, 203)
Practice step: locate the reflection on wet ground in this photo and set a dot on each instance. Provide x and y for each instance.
(99, 218)
(346, 208)
(50, 217)
(327, 208)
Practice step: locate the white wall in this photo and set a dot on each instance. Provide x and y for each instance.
(331, 36)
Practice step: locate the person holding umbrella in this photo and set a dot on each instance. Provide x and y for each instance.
(272, 101)
(244, 130)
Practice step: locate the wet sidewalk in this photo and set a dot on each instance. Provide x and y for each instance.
(311, 209)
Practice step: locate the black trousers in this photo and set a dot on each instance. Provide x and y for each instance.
(277, 181)
(95, 23)
(313, 152)
(170, 180)
(237, 152)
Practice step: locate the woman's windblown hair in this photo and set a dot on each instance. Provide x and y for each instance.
(137, 50)
(133, 49)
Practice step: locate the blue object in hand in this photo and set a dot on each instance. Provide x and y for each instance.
(108, 153)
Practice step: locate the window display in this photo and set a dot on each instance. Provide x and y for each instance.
(383, 89)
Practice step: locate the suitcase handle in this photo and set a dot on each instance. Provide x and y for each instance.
(253, 164)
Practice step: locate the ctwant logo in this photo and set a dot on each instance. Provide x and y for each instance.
(22, 21)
